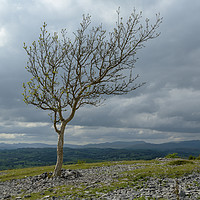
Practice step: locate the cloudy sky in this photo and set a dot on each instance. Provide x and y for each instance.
(166, 109)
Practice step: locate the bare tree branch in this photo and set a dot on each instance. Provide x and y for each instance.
(70, 73)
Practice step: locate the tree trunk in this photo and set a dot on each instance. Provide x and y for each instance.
(59, 163)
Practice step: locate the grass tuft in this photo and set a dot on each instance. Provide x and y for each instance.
(180, 162)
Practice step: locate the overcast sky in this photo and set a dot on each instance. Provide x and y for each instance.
(166, 109)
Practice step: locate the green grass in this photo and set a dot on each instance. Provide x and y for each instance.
(172, 169)
(22, 173)
(134, 178)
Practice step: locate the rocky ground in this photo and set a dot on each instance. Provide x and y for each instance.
(87, 182)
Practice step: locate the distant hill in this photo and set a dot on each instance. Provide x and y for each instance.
(193, 144)
(25, 145)
(116, 145)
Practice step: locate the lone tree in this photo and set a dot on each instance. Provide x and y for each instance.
(70, 73)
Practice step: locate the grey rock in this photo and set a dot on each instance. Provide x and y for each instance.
(7, 197)
(92, 178)
(27, 196)
(182, 194)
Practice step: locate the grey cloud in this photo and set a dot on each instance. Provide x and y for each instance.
(83, 134)
(172, 111)
(166, 108)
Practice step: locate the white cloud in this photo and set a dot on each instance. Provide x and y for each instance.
(11, 135)
(18, 124)
(58, 5)
(31, 124)
(3, 37)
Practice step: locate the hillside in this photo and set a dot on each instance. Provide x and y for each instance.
(21, 155)
(139, 180)
(30, 157)
(193, 144)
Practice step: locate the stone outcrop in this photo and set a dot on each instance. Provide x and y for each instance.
(186, 187)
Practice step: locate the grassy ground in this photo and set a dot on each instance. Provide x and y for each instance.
(157, 169)
(22, 173)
